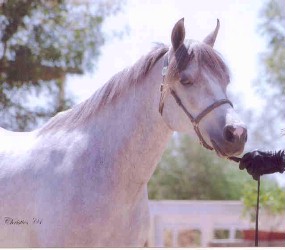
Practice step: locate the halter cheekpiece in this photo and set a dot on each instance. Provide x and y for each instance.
(194, 120)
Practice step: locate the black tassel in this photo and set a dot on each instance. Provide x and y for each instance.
(258, 163)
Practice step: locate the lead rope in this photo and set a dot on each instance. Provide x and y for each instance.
(237, 159)
(257, 212)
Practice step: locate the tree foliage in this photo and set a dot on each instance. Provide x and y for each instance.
(271, 81)
(40, 42)
(188, 171)
(272, 197)
(273, 29)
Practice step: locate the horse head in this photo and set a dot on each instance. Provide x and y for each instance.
(195, 81)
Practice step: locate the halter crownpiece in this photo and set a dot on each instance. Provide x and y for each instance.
(162, 89)
(194, 120)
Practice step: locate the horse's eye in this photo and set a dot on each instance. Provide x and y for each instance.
(185, 80)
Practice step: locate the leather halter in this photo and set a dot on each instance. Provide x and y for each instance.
(194, 120)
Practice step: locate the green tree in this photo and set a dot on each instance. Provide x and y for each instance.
(271, 81)
(188, 171)
(272, 28)
(272, 198)
(41, 41)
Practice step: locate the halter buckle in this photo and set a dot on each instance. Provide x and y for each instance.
(164, 71)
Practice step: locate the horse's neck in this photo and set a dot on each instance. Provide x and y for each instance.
(131, 128)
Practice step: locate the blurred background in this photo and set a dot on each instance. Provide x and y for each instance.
(56, 53)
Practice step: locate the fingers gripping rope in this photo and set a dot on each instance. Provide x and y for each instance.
(258, 163)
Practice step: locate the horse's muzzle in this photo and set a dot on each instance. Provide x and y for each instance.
(232, 142)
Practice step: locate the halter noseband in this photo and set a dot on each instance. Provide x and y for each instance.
(194, 120)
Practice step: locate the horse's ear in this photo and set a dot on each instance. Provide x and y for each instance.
(178, 34)
(211, 38)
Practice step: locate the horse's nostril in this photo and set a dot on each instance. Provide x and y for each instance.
(229, 133)
(233, 134)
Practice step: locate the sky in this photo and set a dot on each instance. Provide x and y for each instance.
(145, 22)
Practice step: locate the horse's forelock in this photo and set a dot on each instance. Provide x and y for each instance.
(210, 59)
(204, 55)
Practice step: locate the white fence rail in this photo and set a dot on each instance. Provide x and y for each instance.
(195, 223)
